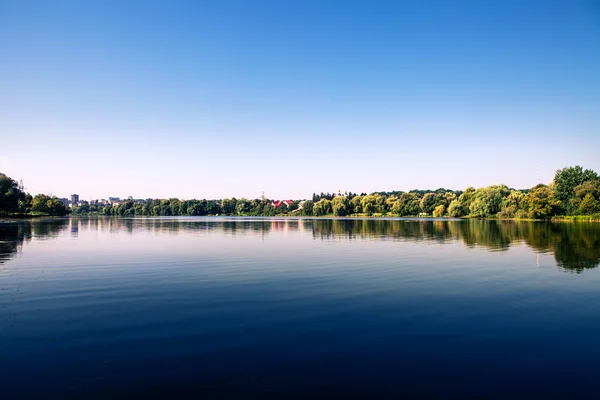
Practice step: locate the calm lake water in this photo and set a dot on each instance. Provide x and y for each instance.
(269, 308)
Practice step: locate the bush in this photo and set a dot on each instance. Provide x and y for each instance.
(439, 211)
(508, 212)
(521, 214)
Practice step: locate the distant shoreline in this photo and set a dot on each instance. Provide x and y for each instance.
(579, 218)
(573, 195)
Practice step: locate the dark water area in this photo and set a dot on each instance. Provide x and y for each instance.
(279, 308)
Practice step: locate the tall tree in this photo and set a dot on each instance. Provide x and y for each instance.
(589, 205)
(10, 195)
(48, 205)
(455, 209)
(439, 211)
(322, 207)
(565, 181)
(428, 202)
(542, 202)
(340, 205)
(228, 206)
(307, 208)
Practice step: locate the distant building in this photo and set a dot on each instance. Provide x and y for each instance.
(279, 203)
(113, 200)
(74, 199)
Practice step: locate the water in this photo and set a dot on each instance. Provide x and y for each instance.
(269, 308)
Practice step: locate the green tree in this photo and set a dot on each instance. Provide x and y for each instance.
(228, 206)
(10, 195)
(410, 204)
(243, 207)
(591, 188)
(487, 201)
(512, 204)
(390, 202)
(322, 207)
(542, 202)
(81, 209)
(455, 209)
(439, 211)
(256, 207)
(47, 205)
(197, 207)
(268, 209)
(293, 206)
(466, 198)
(173, 203)
(340, 205)
(212, 207)
(449, 197)
(355, 204)
(24, 204)
(565, 181)
(394, 205)
(368, 204)
(57, 208)
(589, 205)
(428, 202)
(307, 208)
(380, 205)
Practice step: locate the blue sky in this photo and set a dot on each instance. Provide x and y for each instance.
(232, 98)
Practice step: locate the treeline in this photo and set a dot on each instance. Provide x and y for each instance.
(177, 207)
(574, 191)
(330, 196)
(14, 201)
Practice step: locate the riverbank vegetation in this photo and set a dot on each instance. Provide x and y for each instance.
(14, 202)
(573, 194)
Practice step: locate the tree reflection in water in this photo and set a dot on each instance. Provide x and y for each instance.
(575, 246)
(14, 234)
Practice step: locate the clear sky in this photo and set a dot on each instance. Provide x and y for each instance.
(211, 99)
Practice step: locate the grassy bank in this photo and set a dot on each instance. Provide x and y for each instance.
(30, 216)
(579, 218)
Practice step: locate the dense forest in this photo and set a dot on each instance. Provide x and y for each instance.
(573, 192)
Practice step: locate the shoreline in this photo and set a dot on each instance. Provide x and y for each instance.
(563, 218)
(366, 217)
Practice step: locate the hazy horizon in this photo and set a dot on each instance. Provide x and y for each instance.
(231, 98)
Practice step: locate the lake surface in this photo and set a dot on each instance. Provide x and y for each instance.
(270, 308)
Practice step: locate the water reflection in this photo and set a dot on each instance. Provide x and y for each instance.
(14, 234)
(575, 246)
